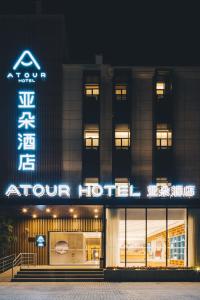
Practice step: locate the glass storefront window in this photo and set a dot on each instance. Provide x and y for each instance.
(135, 237)
(152, 237)
(177, 237)
(156, 237)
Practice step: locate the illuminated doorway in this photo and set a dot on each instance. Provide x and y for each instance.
(74, 248)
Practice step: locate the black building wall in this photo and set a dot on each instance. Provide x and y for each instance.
(187, 125)
(44, 37)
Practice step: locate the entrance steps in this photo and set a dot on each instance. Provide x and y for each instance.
(58, 275)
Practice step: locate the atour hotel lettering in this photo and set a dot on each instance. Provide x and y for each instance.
(98, 190)
(63, 190)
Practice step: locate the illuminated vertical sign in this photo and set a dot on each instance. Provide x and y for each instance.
(26, 71)
(26, 134)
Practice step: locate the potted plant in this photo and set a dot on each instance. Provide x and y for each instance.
(7, 236)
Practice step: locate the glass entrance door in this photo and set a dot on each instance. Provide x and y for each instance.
(74, 248)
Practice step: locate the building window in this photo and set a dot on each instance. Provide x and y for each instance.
(121, 92)
(91, 180)
(163, 136)
(162, 181)
(91, 136)
(160, 89)
(92, 90)
(122, 136)
(119, 182)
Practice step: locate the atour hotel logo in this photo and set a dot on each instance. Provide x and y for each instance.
(21, 69)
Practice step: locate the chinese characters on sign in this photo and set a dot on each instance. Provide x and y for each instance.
(173, 191)
(26, 135)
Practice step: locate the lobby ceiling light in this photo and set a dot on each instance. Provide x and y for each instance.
(54, 216)
(75, 216)
(96, 210)
(71, 210)
(48, 210)
(96, 216)
(34, 216)
(24, 210)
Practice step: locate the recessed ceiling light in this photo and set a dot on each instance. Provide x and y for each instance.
(96, 216)
(71, 210)
(75, 216)
(34, 216)
(24, 210)
(48, 210)
(54, 216)
(96, 210)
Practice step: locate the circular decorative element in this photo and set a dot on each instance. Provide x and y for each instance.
(61, 247)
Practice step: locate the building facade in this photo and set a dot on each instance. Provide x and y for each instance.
(99, 162)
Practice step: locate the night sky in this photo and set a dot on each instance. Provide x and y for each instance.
(125, 32)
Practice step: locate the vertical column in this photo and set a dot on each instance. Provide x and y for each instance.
(72, 126)
(112, 239)
(193, 237)
(106, 126)
(141, 148)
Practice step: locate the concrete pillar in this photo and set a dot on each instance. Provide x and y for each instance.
(193, 237)
(112, 238)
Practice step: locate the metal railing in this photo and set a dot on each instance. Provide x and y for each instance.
(24, 259)
(6, 262)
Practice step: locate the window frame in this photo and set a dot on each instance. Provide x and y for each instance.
(93, 87)
(94, 142)
(163, 142)
(124, 142)
(121, 96)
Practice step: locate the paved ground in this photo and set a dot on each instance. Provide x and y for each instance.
(99, 291)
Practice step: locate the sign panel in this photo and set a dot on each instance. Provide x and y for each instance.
(26, 71)
(98, 191)
(40, 241)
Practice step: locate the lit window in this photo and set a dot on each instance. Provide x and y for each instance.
(122, 136)
(91, 180)
(121, 92)
(91, 136)
(163, 136)
(162, 181)
(121, 182)
(92, 90)
(160, 89)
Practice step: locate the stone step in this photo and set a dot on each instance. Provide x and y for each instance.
(53, 275)
(61, 269)
(60, 272)
(57, 279)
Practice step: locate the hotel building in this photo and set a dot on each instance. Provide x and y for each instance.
(110, 174)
